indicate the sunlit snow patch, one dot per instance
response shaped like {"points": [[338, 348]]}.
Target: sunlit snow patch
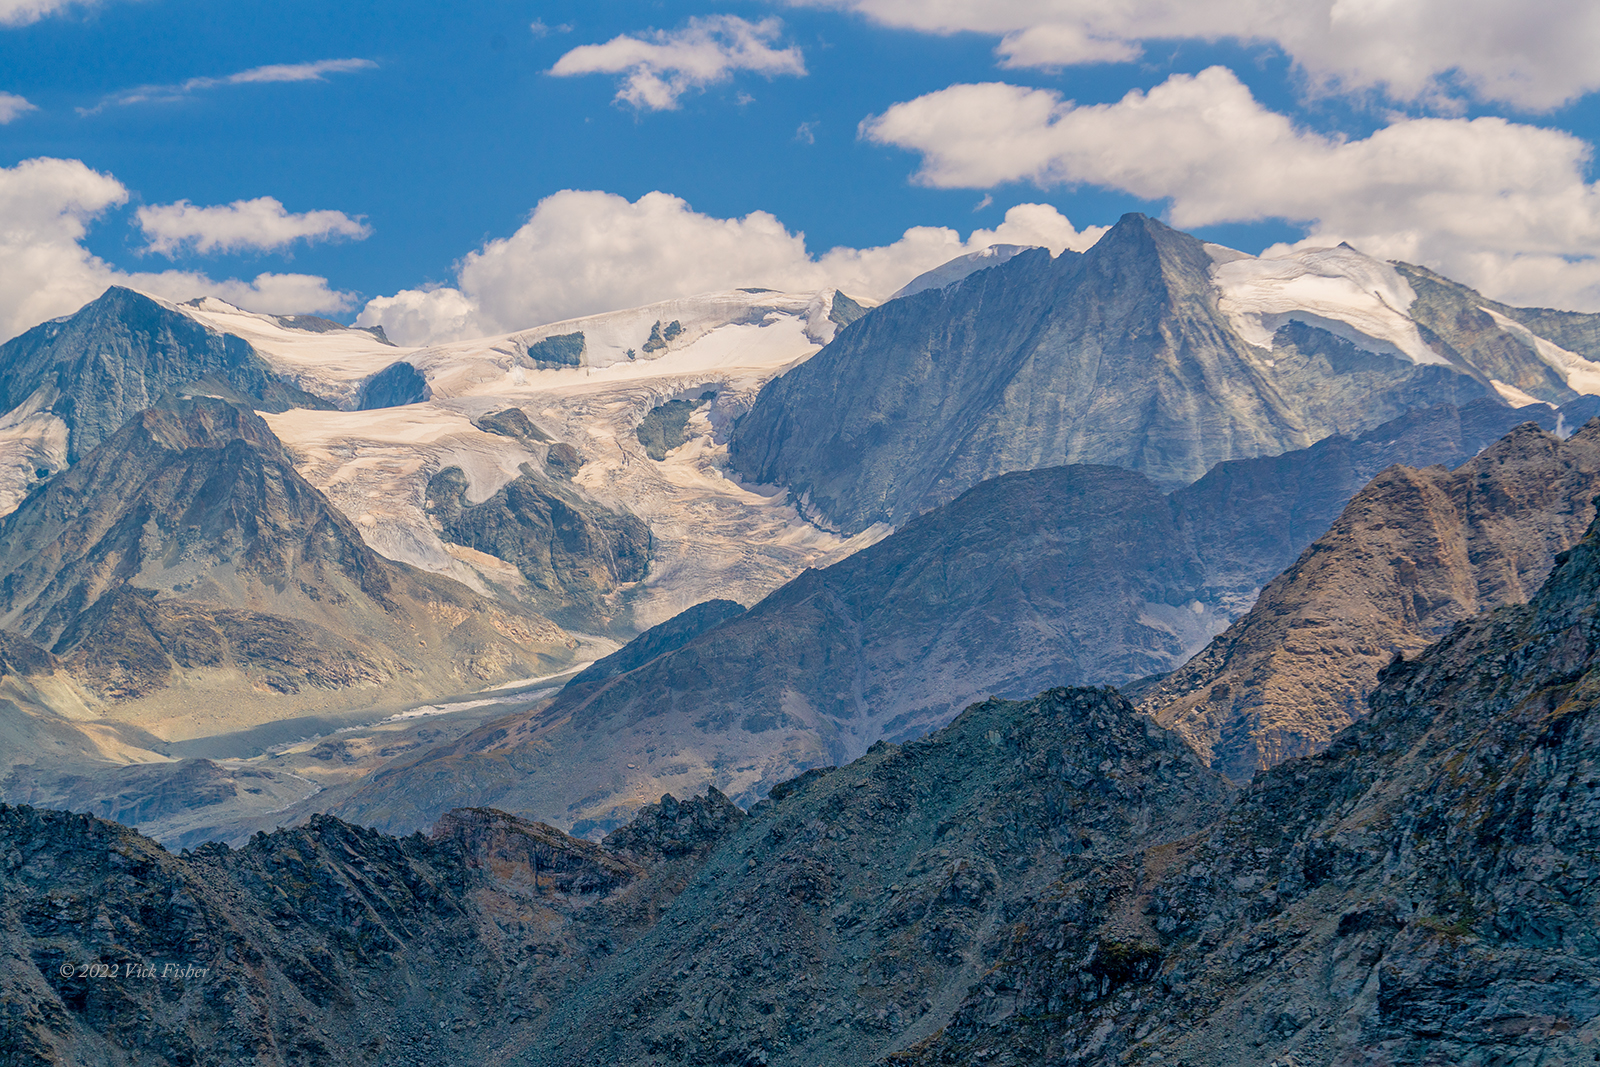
{"points": [[33, 446], [1361, 299], [330, 363]]}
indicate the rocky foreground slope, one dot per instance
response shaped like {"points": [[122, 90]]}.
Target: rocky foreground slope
{"points": [[1052, 881]]}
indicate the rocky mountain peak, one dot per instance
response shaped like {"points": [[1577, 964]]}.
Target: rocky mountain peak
{"points": [[123, 352], [1415, 553]]}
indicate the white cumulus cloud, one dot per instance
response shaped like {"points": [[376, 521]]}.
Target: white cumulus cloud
{"points": [[46, 206], [1536, 54], [1499, 205], [13, 106], [259, 224], [663, 65], [585, 252]]}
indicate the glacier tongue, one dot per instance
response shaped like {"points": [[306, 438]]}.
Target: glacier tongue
{"points": [[1359, 298]]}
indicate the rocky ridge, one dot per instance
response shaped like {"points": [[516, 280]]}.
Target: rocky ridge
{"points": [[1415, 553], [1153, 352], [1421, 892], [1121, 356], [185, 562]]}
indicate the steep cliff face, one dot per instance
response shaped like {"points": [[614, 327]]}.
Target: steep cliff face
{"points": [[1120, 356], [186, 551], [1065, 576], [1414, 553]]}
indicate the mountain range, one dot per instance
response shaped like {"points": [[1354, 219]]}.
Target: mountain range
{"points": [[1153, 351], [1061, 576], [1053, 880], [308, 553]]}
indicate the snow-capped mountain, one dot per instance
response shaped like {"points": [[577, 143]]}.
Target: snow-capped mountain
{"points": [[1151, 351]]}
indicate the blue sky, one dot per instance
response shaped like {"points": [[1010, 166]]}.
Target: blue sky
{"points": [[451, 130]]}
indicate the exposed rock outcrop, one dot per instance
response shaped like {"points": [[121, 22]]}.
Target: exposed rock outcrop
{"points": [[396, 385], [574, 551]]}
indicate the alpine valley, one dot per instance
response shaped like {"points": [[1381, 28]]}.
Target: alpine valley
{"points": [[1150, 655]]}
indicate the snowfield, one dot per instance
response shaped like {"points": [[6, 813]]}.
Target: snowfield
{"points": [[1351, 295], [713, 537]]}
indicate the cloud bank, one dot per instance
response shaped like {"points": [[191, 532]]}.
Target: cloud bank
{"points": [[261, 224], [584, 252], [663, 65], [46, 206], [1501, 206], [1534, 55]]}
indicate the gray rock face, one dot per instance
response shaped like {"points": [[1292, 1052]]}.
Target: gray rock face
{"points": [[119, 355], [395, 386], [575, 552], [1458, 323], [1118, 357], [665, 427], [1415, 553], [1064, 576]]}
